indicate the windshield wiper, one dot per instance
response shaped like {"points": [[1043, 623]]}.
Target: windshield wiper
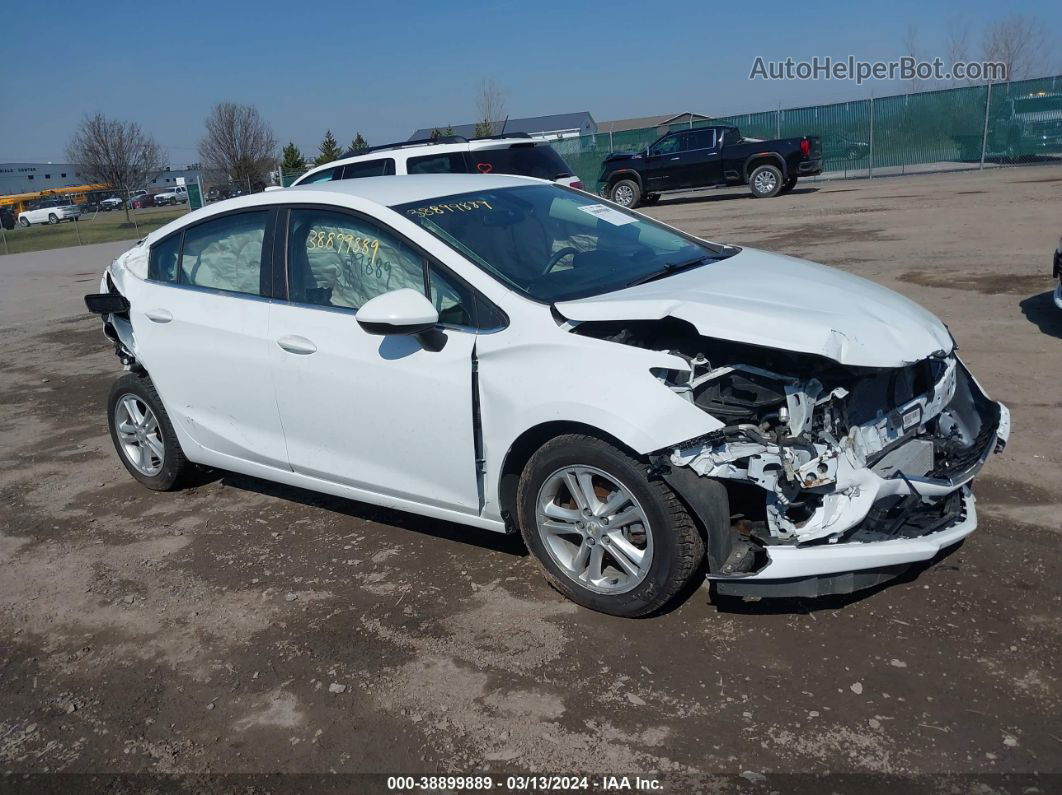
{"points": [[670, 268]]}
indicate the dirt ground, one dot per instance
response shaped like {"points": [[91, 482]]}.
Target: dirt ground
{"points": [[243, 627]]}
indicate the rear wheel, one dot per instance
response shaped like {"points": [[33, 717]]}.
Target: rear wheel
{"points": [[23, 221], [604, 535], [625, 193], [143, 434], [765, 181]]}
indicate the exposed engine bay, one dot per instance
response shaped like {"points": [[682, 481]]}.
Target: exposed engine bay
{"points": [[840, 453]]}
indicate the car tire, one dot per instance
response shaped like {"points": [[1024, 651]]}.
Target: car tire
{"points": [[789, 184], [658, 541], [625, 193], [138, 439], [765, 181], [53, 218], [23, 222]]}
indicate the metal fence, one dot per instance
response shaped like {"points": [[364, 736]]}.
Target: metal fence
{"points": [[965, 127]]}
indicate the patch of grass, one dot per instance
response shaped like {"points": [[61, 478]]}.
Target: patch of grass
{"points": [[98, 228]]}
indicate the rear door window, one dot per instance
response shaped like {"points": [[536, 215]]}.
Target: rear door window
{"points": [[442, 163], [226, 253], [525, 160], [369, 168], [700, 139]]}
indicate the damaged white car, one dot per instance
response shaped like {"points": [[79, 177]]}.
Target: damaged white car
{"points": [[643, 406]]}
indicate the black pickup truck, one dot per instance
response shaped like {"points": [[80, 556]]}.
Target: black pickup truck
{"points": [[705, 157]]}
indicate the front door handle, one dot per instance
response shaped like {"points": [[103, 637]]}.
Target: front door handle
{"points": [[158, 315], [674, 158], [296, 344]]}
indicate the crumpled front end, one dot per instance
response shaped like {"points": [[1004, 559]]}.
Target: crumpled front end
{"points": [[861, 472]]}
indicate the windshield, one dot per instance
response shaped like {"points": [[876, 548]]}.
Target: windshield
{"points": [[551, 243]]}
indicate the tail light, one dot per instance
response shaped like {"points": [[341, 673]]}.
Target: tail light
{"points": [[805, 147], [577, 184]]}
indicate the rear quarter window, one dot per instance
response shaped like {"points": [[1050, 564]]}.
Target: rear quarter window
{"points": [[524, 160], [162, 261]]}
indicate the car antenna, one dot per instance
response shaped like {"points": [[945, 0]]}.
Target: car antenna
{"points": [[504, 123]]}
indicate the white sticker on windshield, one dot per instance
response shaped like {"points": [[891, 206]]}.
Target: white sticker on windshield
{"points": [[614, 217]]}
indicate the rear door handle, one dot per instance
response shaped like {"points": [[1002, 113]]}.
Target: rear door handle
{"points": [[296, 344], [158, 315], [674, 158]]}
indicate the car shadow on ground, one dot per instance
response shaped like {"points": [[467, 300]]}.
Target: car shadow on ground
{"points": [[720, 197], [1040, 310], [510, 544]]}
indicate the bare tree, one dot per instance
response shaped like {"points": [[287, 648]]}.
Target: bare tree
{"points": [[913, 47], [117, 153], [1019, 42], [490, 103], [957, 40], [238, 143]]}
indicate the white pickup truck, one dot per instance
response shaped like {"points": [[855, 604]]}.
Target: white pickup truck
{"points": [[50, 211], [172, 196]]}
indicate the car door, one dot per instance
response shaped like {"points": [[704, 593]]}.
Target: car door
{"points": [[201, 325], [377, 413], [699, 164], [661, 170]]}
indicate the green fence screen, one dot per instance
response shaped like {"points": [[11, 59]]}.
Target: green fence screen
{"points": [[1007, 123]]}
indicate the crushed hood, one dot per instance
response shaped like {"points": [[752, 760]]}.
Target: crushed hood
{"points": [[780, 302]]}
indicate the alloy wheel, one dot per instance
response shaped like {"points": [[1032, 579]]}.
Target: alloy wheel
{"points": [[765, 182], [139, 435], [594, 529], [623, 195]]}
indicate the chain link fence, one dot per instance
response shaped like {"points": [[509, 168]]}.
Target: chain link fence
{"points": [[967, 127]]}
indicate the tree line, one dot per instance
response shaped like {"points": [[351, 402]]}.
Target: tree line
{"points": [[238, 146]]}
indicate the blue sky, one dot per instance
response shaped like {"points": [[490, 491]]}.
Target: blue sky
{"points": [[388, 68]]}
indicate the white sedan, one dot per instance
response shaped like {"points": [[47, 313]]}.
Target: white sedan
{"points": [[518, 356]]}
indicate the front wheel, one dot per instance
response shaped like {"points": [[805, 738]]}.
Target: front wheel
{"points": [[765, 181], [626, 193], [605, 535], [53, 218], [143, 434]]}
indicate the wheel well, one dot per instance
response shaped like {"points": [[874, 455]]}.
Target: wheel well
{"points": [[764, 160], [525, 446], [633, 175]]}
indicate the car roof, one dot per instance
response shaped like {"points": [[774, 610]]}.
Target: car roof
{"points": [[382, 191], [400, 150], [391, 190]]}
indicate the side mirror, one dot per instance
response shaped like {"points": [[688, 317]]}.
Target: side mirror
{"points": [[402, 311]]}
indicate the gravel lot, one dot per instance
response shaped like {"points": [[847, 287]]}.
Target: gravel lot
{"points": [[240, 626]]}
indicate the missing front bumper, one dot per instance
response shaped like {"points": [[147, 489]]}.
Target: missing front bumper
{"points": [[846, 567]]}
